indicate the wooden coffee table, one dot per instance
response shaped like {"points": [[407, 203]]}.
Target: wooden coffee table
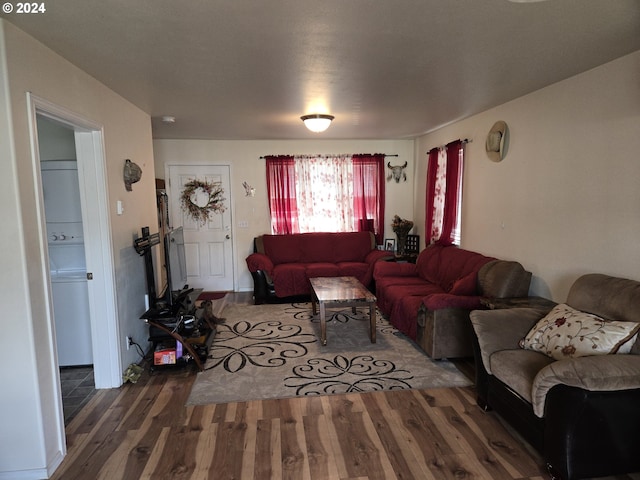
{"points": [[340, 292]]}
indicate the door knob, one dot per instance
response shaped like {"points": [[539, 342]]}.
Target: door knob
{"points": [[227, 236]]}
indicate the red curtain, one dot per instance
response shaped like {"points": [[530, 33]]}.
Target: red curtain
{"points": [[453, 194], [281, 189], [444, 188], [369, 193], [432, 231]]}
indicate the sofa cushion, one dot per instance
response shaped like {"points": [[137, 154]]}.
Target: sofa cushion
{"points": [[291, 279], [335, 247], [282, 248], [518, 369], [355, 269], [383, 270], [389, 289], [501, 329], [394, 293], [436, 301], [322, 269], [386, 282], [565, 333], [445, 264]]}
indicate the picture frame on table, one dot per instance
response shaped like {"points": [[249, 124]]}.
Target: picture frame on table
{"points": [[390, 244]]}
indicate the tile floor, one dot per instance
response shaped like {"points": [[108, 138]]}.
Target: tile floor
{"points": [[77, 388]]}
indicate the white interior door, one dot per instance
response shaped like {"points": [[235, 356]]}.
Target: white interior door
{"points": [[208, 246]]}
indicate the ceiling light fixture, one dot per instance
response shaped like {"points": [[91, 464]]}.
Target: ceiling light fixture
{"points": [[168, 119], [317, 122]]}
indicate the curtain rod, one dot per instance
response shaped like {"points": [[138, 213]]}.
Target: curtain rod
{"points": [[331, 155], [464, 140]]}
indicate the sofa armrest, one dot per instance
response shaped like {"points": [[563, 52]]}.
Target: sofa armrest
{"points": [[594, 373], [259, 261], [439, 301], [375, 255], [502, 329], [503, 279], [393, 269]]}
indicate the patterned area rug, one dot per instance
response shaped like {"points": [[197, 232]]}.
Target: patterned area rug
{"points": [[274, 351]]}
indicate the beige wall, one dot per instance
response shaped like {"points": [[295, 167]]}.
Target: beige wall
{"points": [[565, 200], [246, 165], [30, 434]]}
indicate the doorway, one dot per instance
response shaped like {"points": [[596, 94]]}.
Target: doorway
{"points": [[96, 231], [65, 242], [67, 263]]}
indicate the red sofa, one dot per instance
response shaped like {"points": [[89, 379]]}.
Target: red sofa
{"points": [[430, 300], [282, 264]]}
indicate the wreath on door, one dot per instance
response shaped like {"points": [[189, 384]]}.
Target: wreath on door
{"points": [[200, 199]]}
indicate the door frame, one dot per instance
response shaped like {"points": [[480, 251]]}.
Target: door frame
{"points": [[94, 199], [167, 176]]}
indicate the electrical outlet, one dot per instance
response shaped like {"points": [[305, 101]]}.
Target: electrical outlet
{"points": [[128, 341]]}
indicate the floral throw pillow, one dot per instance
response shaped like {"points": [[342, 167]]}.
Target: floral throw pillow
{"points": [[567, 333]]}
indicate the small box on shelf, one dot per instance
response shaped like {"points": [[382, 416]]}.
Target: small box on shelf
{"points": [[166, 354]]}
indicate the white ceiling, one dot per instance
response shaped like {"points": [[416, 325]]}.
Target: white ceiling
{"points": [[248, 69]]}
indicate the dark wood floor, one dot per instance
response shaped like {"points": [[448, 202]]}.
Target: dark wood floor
{"points": [[145, 431]]}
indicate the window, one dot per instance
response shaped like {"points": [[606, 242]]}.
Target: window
{"points": [[444, 194], [326, 193]]}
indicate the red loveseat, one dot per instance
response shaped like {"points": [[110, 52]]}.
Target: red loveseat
{"points": [[430, 300], [282, 264]]}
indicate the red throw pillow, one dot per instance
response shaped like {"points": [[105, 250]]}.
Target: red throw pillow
{"points": [[465, 285]]}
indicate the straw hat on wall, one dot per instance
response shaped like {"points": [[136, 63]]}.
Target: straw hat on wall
{"points": [[495, 141]]}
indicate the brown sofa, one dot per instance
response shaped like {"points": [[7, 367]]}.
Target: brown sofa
{"points": [[581, 412], [445, 331], [430, 301], [281, 265]]}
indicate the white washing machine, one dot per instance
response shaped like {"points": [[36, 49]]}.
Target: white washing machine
{"points": [[73, 326]]}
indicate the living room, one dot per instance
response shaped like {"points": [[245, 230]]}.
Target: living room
{"points": [[563, 202]]}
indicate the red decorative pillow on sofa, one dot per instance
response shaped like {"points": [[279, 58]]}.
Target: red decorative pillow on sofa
{"points": [[466, 285]]}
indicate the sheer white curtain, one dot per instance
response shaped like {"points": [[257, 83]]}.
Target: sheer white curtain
{"points": [[438, 199], [322, 182], [444, 193]]}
